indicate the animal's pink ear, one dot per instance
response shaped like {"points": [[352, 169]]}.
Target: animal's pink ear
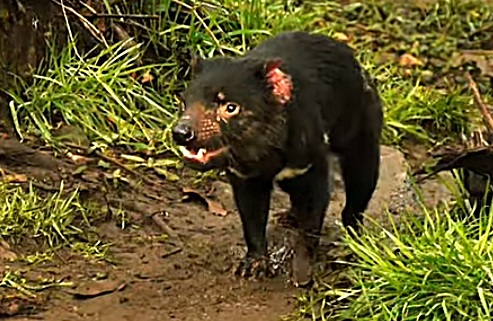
{"points": [[272, 64], [280, 82]]}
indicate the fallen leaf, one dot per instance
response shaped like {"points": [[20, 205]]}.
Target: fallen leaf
{"points": [[341, 37], [147, 77], [408, 72], [12, 305], [5, 252], [80, 170], [15, 178], [79, 159], [123, 35], [168, 175], [101, 25], [408, 60], [166, 162], [212, 206], [482, 58], [222, 191], [103, 164], [133, 158], [13, 309], [385, 57], [94, 289]]}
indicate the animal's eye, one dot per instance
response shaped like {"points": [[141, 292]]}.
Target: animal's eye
{"points": [[231, 108]]}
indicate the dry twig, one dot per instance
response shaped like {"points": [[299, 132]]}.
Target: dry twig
{"points": [[114, 162], [483, 108], [89, 26], [156, 218], [475, 156], [118, 16], [124, 167]]}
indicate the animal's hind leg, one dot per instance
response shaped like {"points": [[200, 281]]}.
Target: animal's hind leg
{"points": [[360, 165], [309, 196], [360, 158]]}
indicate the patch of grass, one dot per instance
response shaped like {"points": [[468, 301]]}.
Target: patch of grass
{"points": [[16, 281], [42, 224], [49, 222], [431, 266], [99, 95], [424, 114]]}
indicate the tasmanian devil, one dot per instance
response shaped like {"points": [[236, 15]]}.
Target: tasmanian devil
{"points": [[273, 115]]}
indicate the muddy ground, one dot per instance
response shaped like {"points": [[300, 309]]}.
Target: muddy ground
{"points": [[188, 276]]}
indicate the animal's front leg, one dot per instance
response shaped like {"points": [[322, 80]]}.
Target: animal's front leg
{"points": [[309, 194], [252, 197]]}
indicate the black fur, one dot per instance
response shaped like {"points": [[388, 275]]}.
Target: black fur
{"points": [[331, 96]]}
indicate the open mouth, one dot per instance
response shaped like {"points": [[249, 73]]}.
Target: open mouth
{"points": [[201, 155]]}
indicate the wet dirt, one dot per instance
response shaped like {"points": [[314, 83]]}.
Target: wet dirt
{"points": [[188, 275]]}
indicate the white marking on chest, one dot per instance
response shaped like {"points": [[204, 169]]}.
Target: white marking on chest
{"points": [[285, 173], [237, 173], [290, 173]]}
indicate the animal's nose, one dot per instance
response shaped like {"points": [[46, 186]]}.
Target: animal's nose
{"points": [[183, 133]]}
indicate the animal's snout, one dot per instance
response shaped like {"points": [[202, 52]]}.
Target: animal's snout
{"points": [[183, 133]]}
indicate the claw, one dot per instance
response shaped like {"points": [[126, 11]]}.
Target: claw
{"points": [[256, 268]]}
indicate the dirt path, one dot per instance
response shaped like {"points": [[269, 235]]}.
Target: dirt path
{"points": [[193, 284], [189, 275]]}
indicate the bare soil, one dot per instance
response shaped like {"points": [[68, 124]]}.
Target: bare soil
{"points": [[188, 276]]}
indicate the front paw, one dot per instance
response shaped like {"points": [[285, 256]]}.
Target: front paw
{"points": [[252, 267]]}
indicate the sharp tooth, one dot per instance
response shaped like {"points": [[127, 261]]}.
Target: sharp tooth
{"points": [[183, 150], [201, 152], [186, 152]]}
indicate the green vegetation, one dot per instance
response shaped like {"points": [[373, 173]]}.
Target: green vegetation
{"points": [[103, 97], [437, 268], [49, 221], [97, 94], [432, 266], [44, 224]]}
